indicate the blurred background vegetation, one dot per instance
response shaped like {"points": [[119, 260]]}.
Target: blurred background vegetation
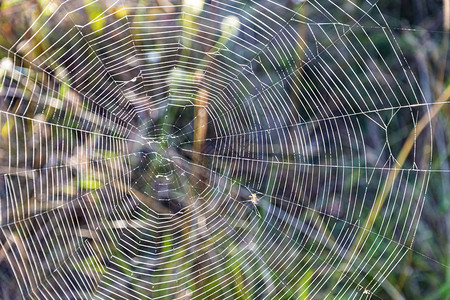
{"points": [[421, 28]]}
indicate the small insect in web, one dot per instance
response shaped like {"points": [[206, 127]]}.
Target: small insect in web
{"points": [[254, 199], [367, 292]]}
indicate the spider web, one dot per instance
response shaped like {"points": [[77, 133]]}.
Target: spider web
{"points": [[167, 149]]}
